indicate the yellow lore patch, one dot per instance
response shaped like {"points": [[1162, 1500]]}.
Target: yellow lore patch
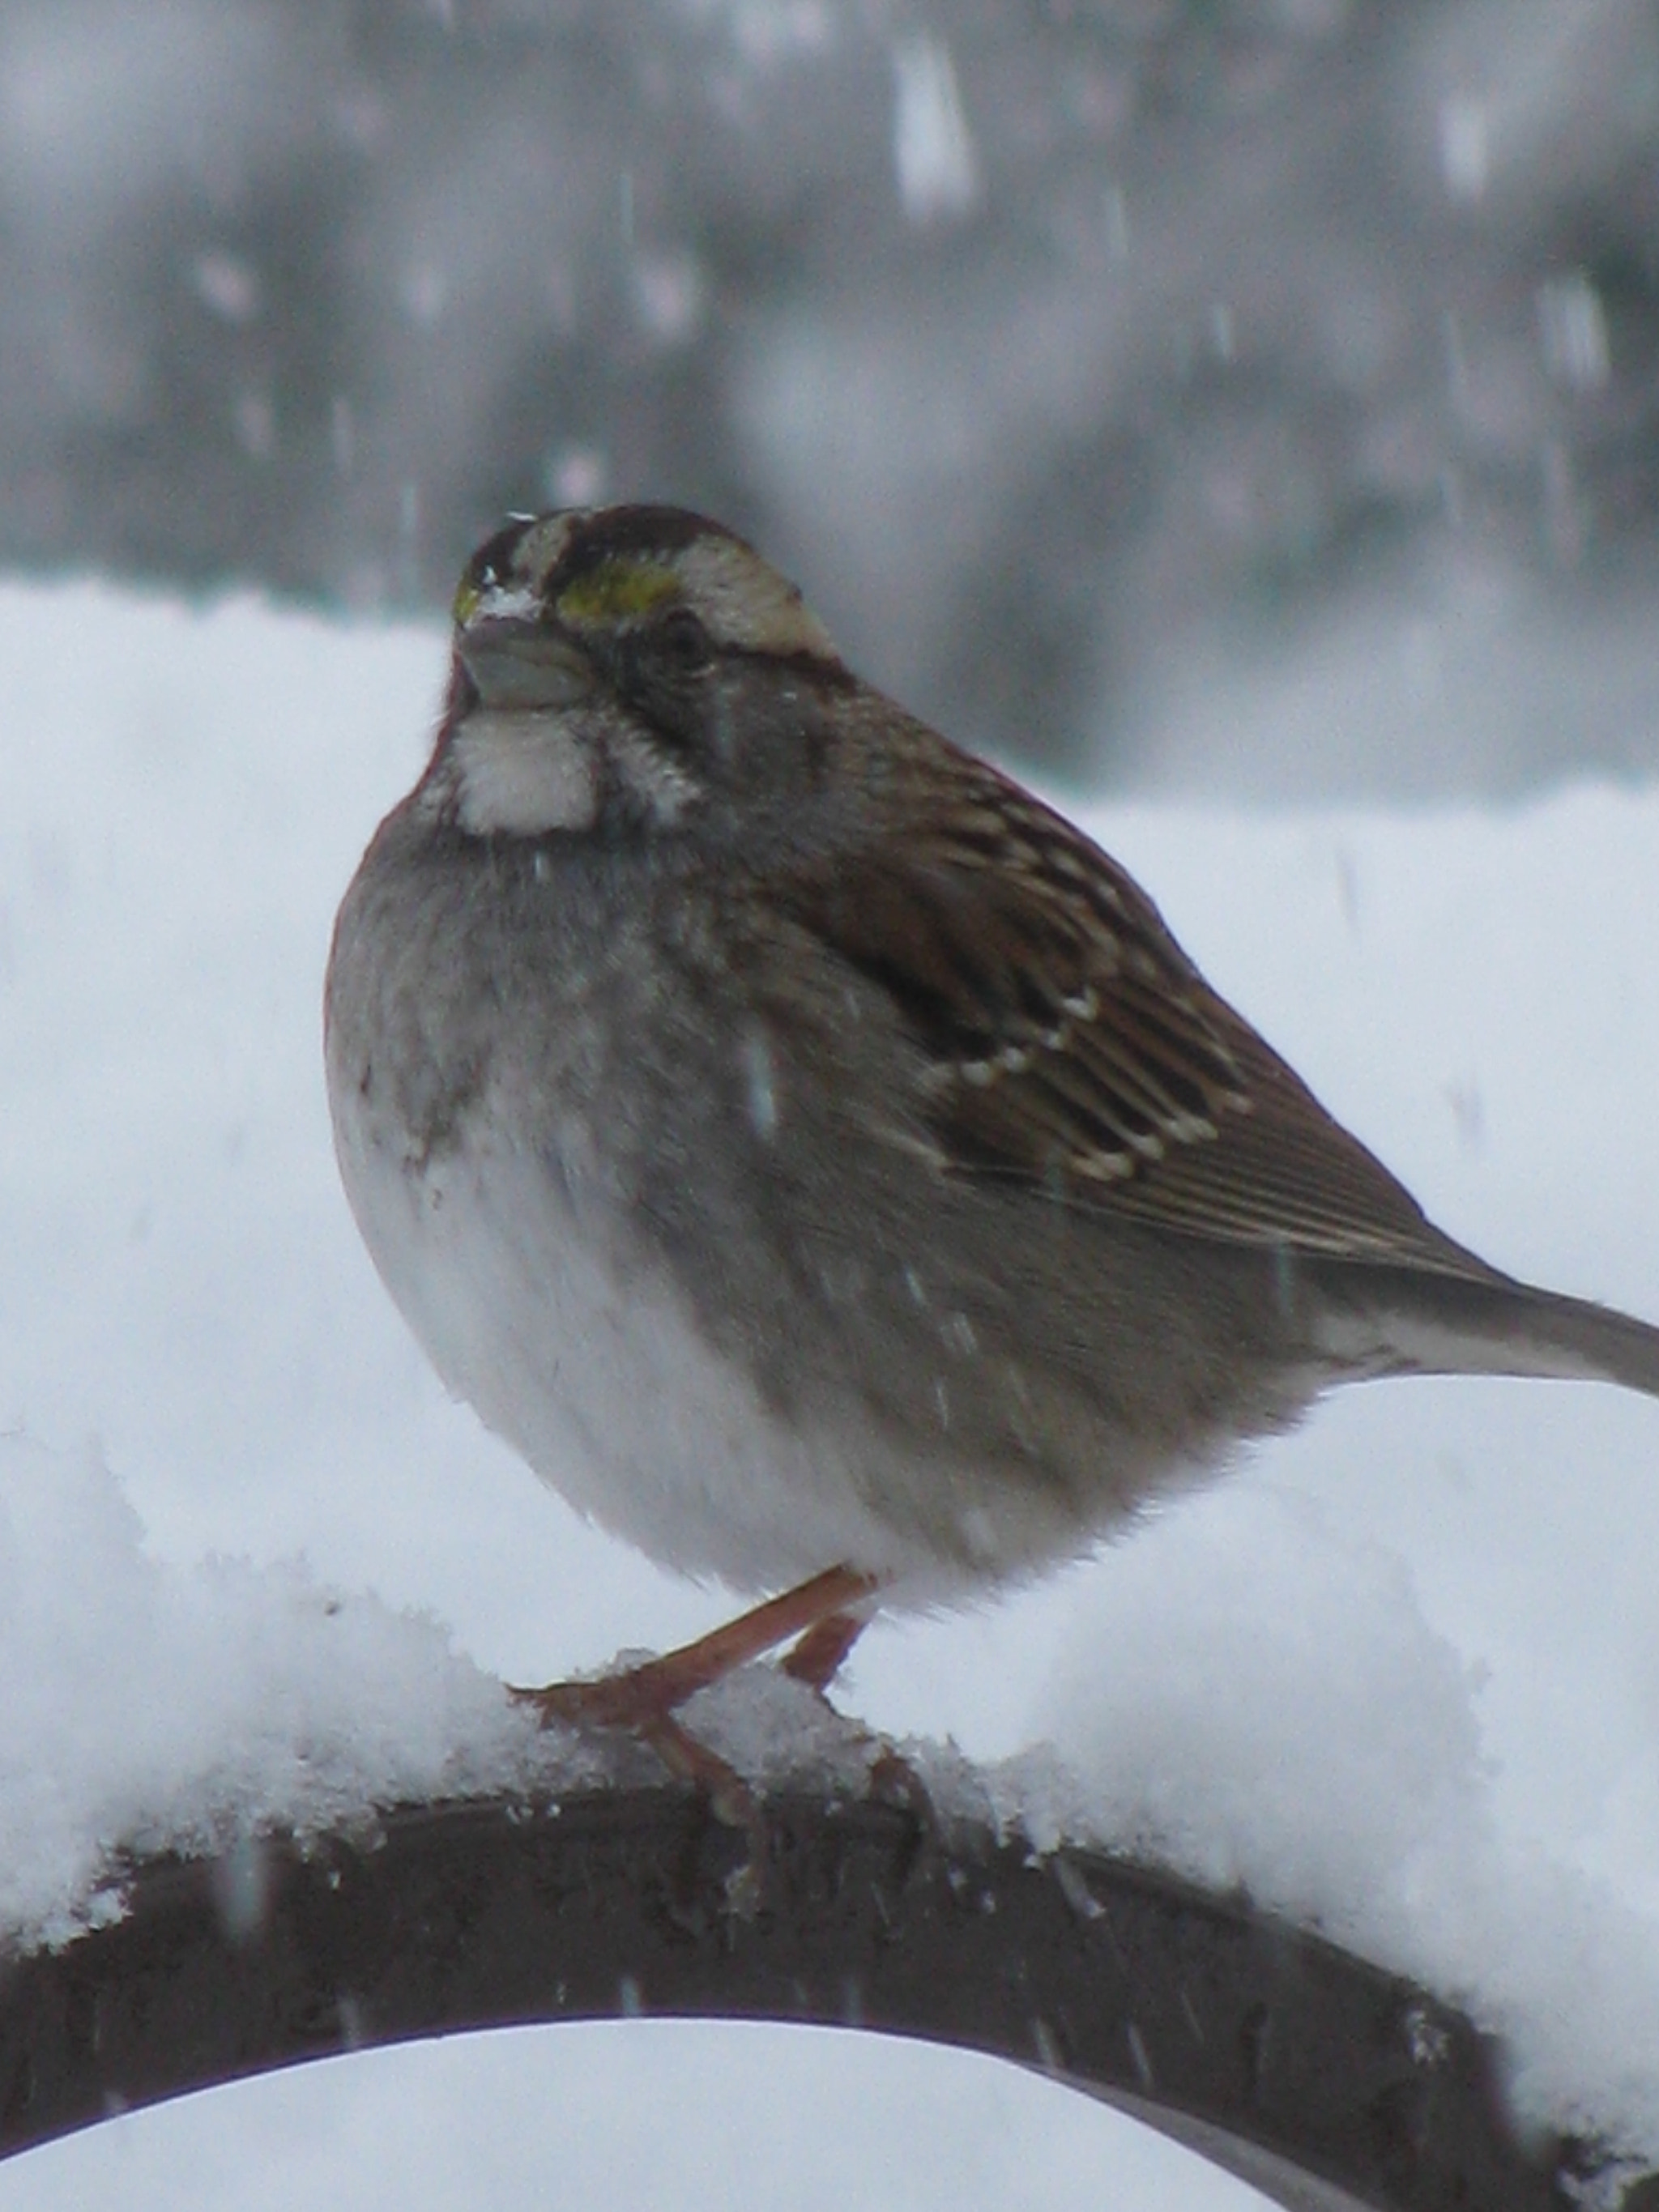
{"points": [[616, 589]]}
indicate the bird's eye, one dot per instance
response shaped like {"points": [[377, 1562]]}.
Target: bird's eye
{"points": [[683, 642]]}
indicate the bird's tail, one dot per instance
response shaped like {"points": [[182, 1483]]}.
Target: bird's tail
{"points": [[1411, 1322]]}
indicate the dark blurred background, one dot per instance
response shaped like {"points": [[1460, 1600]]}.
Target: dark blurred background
{"points": [[1247, 394]]}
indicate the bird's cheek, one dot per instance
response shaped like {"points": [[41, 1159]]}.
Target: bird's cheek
{"points": [[659, 782]]}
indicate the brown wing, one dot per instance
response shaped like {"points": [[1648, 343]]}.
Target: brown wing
{"points": [[1068, 1039]]}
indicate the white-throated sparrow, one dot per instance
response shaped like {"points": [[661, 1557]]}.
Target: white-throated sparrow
{"points": [[810, 1151]]}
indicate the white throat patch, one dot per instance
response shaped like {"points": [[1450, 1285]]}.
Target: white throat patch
{"points": [[520, 774]]}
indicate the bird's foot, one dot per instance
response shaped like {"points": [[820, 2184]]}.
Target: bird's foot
{"points": [[644, 1700]]}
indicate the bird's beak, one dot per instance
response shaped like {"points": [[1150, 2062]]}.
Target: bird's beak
{"points": [[521, 664]]}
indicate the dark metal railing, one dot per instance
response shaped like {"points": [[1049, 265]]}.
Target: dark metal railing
{"points": [[1327, 2083]]}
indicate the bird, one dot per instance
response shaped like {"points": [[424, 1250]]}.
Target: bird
{"points": [[812, 1153]]}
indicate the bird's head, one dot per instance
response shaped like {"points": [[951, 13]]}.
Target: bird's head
{"points": [[625, 671]]}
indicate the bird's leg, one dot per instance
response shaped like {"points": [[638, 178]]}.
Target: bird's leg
{"points": [[816, 1660], [817, 1612], [819, 1655]]}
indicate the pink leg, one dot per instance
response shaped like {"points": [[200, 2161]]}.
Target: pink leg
{"points": [[819, 1655], [815, 1612]]}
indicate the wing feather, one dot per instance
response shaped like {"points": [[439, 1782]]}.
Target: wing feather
{"points": [[1067, 1039]]}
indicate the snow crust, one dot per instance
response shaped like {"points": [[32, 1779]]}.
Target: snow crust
{"points": [[1400, 1674], [155, 1706]]}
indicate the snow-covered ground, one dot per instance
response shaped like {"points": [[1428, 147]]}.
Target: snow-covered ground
{"points": [[1400, 1672]]}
